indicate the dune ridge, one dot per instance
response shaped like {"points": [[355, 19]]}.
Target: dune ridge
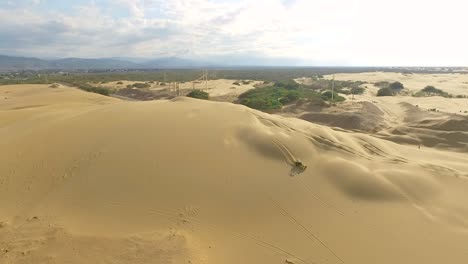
{"points": [[87, 178]]}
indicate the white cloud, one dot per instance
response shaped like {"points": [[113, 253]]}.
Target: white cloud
{"points": [[359, 32]]}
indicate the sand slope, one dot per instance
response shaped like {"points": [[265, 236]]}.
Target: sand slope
{"points": [[91, 179], [453, 83]]}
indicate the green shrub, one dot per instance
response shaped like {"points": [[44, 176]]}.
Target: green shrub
{"points": [[432, 91], [261, 103], [396, 86], [387, 91], [198, 94], [141, 85], [357, 90], [343, 91], [89, 88], [274, 97], [382, 84], [290, 98], [328, 95], [290, 85]]}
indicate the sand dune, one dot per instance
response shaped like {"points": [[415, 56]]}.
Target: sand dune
{"points": [[219, 90], [92, 179], [435, 122], [453, 83]]}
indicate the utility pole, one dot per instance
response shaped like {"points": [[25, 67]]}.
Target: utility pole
{"points": [[206, 79], [333, 89]]}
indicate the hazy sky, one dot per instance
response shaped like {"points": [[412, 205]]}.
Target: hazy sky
{"points": [[313, 32]]}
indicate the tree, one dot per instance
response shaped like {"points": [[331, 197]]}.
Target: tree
{"points": [[141, 85], [198, 94], [290, 85], [328, 95], [385, 92], [396, 86], [382, 84], [289, 98], [431, 89], [357, 90]]}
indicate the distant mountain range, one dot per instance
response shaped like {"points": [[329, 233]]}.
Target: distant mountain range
{"points": [[11, 63]]}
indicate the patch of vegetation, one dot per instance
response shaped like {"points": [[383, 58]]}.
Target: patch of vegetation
{"points": [[259, 74], [120, 83], [274, 97], [141, 85], [357, 90], [290, 97], [89, 88], [386, 91], [343, 87], [332, 96], [389, 89], [396, 86], [432, 91], [263, 103], [265, 98], [289, 85], [137, 94], [382, 84], [198, 94], [236, 83]]}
